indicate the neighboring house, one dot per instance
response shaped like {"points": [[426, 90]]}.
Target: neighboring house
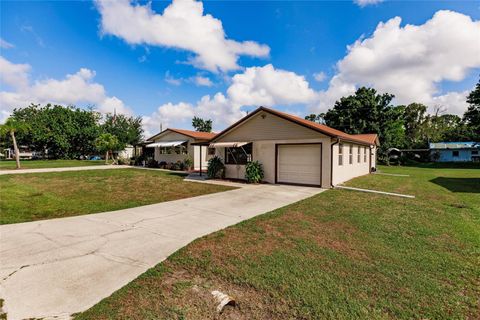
{"points": [[293, 150], [24, 152], [455, 151], [126, 153], [173, 145]]}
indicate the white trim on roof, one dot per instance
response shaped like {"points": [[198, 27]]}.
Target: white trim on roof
{"points": [[165, 144], [228, 144]]}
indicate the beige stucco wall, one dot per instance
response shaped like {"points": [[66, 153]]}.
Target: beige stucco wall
{"points": [[266, 126], [196, 157], [267, 131], [264, 152], [193, 151], [349, 171]]}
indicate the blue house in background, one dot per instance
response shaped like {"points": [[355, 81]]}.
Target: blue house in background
{"points": [[455, 151]]}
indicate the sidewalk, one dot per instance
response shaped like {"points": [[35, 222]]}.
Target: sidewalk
{"points": [[63, 169]]}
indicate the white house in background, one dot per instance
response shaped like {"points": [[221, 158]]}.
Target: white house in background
{"points": [[293, 150], [173, 145], [126, 153], [24, 152]]}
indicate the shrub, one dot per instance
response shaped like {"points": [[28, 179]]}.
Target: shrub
{"points": [[177, 165], [139, 160], [162, 164], [254, 172], [188, 164], [215, 167], [122, 161], [152, 163]]}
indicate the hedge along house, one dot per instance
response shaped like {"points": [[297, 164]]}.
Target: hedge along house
{"points": [[293, 150], [173, 145]]}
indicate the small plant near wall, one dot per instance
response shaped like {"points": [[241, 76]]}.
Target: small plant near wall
{"points": [[215, 167], [254, 172], [188, 163]]}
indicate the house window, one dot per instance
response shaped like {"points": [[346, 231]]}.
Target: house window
{"points": [[364, 154], [180, 149], [340, 154], [358, 154], [350, 154], [455, 153], [238, 155], [211, 151], [474, 152]]}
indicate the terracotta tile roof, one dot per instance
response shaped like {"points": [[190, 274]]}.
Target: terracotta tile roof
{"points": [[362, 138], [195, 134], [190, 133], [368, 137]]}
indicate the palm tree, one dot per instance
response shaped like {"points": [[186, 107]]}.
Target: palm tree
{"points": [[11, 126], [106, 142]]}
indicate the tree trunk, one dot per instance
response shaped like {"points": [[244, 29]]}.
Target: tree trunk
{"points": [[106, 158], [15, 147]]}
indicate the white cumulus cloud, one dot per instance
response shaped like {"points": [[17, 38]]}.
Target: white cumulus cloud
{"points": [[269, 86], [320, 76], [75, 89], [203, 81], [14, 75], [364, 3], [410, 61], [255, 86], [182, 25]]}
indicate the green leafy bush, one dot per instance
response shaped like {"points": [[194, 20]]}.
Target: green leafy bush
{"points": [[123, 161], [254, 172], [188, 164], [215, 168], [152, 163]]}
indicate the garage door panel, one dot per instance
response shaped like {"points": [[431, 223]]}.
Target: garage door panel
{"points": [[299, 164]]}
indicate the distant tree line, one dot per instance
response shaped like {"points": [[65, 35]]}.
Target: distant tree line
{"points": [[402, 126], [70, 132]]}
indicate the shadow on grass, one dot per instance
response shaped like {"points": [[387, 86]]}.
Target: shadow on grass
{"points": [[181, 174], [445, 165], [467, 185]]}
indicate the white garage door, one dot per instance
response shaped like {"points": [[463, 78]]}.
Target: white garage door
{"points": [[299, 163]]}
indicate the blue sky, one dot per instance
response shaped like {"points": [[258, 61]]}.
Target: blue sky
{"points": [[151, 78]]}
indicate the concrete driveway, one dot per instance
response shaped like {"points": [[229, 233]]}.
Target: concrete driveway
{"points": [[54, 268]]}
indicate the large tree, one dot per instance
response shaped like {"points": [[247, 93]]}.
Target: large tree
{"points": [[107, 143], [128, 130], [10, 127], [65, 132], [472, 115], [202, 125], [415, 118], [369, 112], [319, 118]]}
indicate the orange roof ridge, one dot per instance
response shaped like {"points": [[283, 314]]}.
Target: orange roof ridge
{"points": [[190, 133], [363, 138]]}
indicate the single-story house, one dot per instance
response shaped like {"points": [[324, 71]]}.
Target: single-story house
{"points": [[173, 145], [455, 151], [293, 150], [126, 153], [24, 152]]}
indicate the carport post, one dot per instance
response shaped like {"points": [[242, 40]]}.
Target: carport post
{"points": [[200, 160]]}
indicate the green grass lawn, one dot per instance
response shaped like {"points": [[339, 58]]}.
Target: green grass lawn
{"points": [[37, 164], [36, 196], [338, 255]]}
